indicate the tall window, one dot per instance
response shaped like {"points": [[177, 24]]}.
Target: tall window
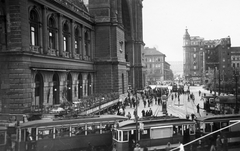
{"points": [[69, 87], [77, 41], [65, 37], [80, 86], [55, 88], [34, 27], [38, 91], [87, 43], [52, 31], [89, 84]]}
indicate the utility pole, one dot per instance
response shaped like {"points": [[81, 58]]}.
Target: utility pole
{"points": [[236, 91], [214, 87], [219, 80]]}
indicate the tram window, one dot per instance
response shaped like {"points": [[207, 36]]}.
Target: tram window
{"points": [[22, 135], [30, 134], [177, 130], [216, 126], [2, 138], [63, 131], [191, 129], [115, 135], [224, 124], [235, 127], [106, 127], [207, 127], [125, 135], [45, 133], [93, 129], [145, 134], [78, 130]]}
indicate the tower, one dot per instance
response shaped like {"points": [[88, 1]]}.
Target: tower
{"points": [[186, 55]]}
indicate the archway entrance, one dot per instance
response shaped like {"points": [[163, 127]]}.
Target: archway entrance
{"points": [[55, 88], [69, 87], [38, 91], [89, 85], [80, 86]]}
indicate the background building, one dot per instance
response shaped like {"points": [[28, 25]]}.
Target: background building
{"points": [[157, 69], [192, 58], [61, 50]]}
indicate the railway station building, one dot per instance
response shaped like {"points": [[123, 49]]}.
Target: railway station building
{"points": [[63, 50]]}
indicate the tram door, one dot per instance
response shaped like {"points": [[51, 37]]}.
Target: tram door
{"points": [[186, 134], [132, 138]]}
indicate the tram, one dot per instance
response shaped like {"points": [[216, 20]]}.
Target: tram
{"points": [[153, 132], [220, 104], [65, 134], [209, 124]]}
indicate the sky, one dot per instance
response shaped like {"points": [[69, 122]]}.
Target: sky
{"points": [[165, 21]]}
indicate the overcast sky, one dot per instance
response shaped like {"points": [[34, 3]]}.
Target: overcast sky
{"points": [[165, 21]]}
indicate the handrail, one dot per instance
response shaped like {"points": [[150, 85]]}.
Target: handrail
{"points": [[207, 135]]}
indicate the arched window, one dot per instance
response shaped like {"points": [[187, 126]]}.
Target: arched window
{"points": [[55, 89], [65, 37], [89, 84], [34, 28], [80, 86], [87, 43], [122, 83], [69, 87], [77, 41], [38, 91], [52, 33]]}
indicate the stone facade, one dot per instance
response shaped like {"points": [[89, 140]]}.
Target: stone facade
{"points": [[201, 57], [155, 65], [60, 50]]}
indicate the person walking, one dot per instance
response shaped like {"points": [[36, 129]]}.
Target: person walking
{"points": [[219, 143], [198, 108], [137, 148], [129, 115], [143, 113]]}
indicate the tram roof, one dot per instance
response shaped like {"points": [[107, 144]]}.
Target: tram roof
{"points": [[86, 119], [224, 117], [154, 122]]}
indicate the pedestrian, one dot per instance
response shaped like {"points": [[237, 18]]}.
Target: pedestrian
{"points": [[168, 148], [193, 116], [137, 148], [187, 116], [129, 115], [219, 143], [150, 112], [143, 113], [172, 96], [144, 102], [199, 92], [198, 108]]}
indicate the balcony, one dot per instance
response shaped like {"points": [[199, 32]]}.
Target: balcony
{"points": [[66, 54], [35, 49], [76, 56], [53, 52]]}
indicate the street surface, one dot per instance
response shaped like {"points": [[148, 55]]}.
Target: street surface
{"points": [[175, 108]]}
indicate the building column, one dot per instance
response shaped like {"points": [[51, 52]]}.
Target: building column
{"points": [[60, 36], [45, 33]]}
